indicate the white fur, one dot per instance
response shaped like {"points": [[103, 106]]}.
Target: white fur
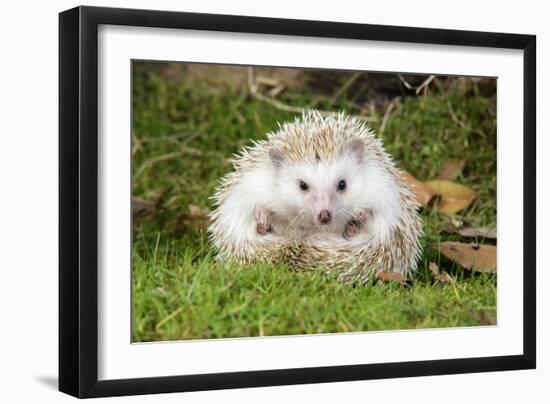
{"points": [[277, 188]]}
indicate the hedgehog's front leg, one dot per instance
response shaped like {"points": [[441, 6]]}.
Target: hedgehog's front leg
{"points": [[263, 220], [351, 229], [353, 226]]}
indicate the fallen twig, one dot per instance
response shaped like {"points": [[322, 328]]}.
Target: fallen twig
{"points": [[407, 85], [462, 124], [344, 87], [253, 89], [424, 85], [389, 109], [149, 163], [136, 144]]}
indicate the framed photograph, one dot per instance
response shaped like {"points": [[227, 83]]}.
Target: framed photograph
{"points": [[252, 201]]}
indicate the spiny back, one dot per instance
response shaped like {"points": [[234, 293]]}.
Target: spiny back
{"points": [[316, 136]]}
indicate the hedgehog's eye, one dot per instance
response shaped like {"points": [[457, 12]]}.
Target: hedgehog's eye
{"points": [[341, 185], [303, 186]]}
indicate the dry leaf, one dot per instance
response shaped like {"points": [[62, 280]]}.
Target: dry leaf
{"points": [[454, 197], [142, 208], [443, 277], [422, 192], [475, 257], [390, 276], [483, 232], [451, 169], [197, 218], [486, 318], [434, 268]]}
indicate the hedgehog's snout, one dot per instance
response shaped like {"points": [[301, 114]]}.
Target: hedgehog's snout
{"points": [[324, 216]]}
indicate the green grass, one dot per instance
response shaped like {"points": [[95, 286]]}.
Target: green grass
{"points": [[181, 292]]}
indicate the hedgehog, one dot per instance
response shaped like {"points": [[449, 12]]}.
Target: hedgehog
{"points": [[320, 193]]}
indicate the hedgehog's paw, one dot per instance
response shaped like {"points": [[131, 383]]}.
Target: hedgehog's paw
{"points": [[263, 220], [351, 229], [364, 216], [354, 225]]}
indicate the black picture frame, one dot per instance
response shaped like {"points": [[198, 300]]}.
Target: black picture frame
{"points": [[78, 201]]}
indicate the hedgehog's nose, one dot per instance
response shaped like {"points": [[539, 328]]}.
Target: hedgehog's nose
{"points": [[324, 216]]}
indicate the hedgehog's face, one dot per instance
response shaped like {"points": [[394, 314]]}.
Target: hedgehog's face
{"points": [[321, 193]]}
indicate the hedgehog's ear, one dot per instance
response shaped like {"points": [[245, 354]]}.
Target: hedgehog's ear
{"points": [[276, 155], [356, 149]]}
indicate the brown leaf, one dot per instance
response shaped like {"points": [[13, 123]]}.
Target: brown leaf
{"points": [[197, 218], [434, 268], [443, 277], [451, 169], [454, 197], [422, 192], [483, 232], [475, 257], [390, 276], [486, 318], [142, 208]]}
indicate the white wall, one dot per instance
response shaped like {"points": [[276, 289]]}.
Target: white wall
{"points": [[28, 198]]}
